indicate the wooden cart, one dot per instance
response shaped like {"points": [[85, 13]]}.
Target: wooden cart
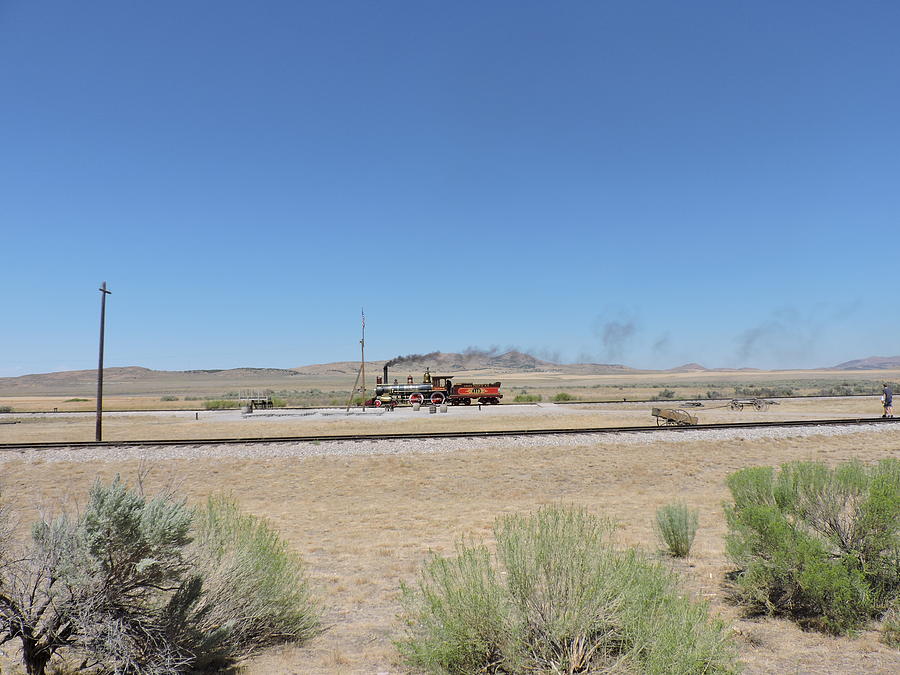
{"points": [[673, 417], [758, 403]]}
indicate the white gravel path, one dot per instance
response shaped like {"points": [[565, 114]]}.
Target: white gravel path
{"points": [[426, 446]]}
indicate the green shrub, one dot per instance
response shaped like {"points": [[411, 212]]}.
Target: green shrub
{"points": [[528, 398], [676, 526], [890, 626], [563, 396], [221, 404], [740, 390], [97, 584], [168, 398], [253, 585], [135, 584], [75, 400], [556, 597], [820, 545], [665, 394], [6, 409]]}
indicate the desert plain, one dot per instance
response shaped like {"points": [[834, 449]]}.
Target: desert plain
{"points": [[366, 516]]}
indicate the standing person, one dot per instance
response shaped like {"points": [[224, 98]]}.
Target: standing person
{"points": [[887, 398]]}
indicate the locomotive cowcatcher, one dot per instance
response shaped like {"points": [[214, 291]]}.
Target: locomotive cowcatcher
{"points": [[434, 389]]}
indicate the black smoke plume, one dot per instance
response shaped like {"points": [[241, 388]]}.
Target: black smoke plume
{"points": [[397, 360]]}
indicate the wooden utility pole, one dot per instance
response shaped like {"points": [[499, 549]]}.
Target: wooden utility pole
{"points": [[362, 357], [361, 373], [103, 294]]}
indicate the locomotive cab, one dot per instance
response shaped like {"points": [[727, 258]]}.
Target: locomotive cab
{"points": [[441, 381]]}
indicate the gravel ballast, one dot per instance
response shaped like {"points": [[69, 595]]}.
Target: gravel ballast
{"points": [[345, 448]]}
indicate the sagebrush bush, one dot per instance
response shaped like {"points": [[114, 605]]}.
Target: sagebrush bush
{"points": [[563, 396], [253, 585], [818, 544], [890, 626], [556, 597], [98, 584], [527, 398], [138, 584], [676, 526], [5, 409], [221, 404]]}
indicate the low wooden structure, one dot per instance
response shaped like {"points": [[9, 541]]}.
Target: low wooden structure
{"points": [[256, 401], [673, 417]]}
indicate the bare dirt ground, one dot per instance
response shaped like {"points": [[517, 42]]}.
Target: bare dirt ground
{"points": [[232, 424], [365, 523]]}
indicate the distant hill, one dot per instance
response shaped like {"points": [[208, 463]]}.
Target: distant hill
{"points": [[441, 362], [870, 363], [688, 368], [137, 380]]}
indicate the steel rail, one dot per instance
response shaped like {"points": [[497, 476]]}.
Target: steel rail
{"points": [[9, 447]]}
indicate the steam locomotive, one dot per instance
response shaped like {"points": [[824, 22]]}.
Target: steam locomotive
{"points": [[433, 389]]}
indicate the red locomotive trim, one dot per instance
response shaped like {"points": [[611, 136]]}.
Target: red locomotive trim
{"points": [[477, 391]]}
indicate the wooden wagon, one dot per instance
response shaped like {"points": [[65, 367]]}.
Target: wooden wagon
{"points": [[673, 417], [758, 403]]}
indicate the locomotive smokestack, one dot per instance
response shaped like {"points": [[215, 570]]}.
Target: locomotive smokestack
{"points": [[385, 373]]}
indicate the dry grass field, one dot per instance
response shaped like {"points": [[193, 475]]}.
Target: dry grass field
{"points": [[365, 523], [231, 424]]}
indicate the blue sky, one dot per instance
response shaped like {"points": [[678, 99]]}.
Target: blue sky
{"points": [[646, 183]]}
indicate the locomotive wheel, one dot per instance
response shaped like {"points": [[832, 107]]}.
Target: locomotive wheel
{"points": [[437, 398], [467, 401], [416, 399], [377, 403]]}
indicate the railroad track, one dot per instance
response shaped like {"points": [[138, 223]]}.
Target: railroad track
{"points": [[10, 447], [531, 403]]}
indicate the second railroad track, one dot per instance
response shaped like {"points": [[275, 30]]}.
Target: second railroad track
{"points": [[322, 438]]}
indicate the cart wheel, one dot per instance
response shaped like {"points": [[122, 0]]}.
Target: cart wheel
{"points": [[660, 421], [761, 405], [737, 406]]}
